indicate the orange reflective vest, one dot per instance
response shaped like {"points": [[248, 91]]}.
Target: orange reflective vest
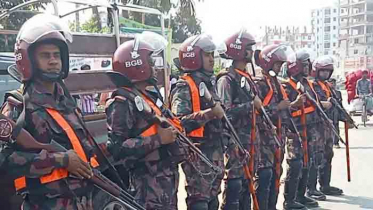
{"points": [[307, 109], [153, 129], [325, 88], [59, 173], [269, 95], [196, 105]]}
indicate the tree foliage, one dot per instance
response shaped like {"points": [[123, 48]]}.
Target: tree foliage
{"points": [[14, 21], [184, 22]]}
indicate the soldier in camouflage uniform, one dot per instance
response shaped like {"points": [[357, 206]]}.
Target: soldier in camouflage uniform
{"points": [[43, 61], [148, 150], [323, 70], [297, 176], [201, 118], [12, 108], [239, 108], [275, 102]]}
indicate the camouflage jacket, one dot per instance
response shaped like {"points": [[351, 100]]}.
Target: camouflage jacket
{"points": [[126, 122], [271, 108], [34, 164], [311, 118], [333, 113], [237, 103], [181, 106]]}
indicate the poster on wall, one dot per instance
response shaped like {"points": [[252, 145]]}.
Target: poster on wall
{"points": [[95, 63]]}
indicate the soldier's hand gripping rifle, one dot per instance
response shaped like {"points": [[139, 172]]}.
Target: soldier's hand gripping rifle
{"points": [[340, 107], [168, 120], [320, 110], [14, 135], [237, 142]]}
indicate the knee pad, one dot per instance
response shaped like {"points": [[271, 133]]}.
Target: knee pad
{"points": [[199, 205], [234, 184], [213, 204], [265, 173]]}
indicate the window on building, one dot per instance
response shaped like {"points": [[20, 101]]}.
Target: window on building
{"points": [[309, 37], [326, 52], [334, 35], [334, 44], [333, 52], [318, 30], [356, 41], [327, 11], [334, 19], [356, 52], [327, 29], [327, 20], [318, 12], [309, 45], [327, 45], [318, 21], [334, 27], [334, 10]]}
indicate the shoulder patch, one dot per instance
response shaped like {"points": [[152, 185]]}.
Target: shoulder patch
{"points": [[120, 98]]}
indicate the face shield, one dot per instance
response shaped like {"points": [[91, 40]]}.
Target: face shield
{"points": [[280, 53], [41, 25], [206, 43], [323, 62]]}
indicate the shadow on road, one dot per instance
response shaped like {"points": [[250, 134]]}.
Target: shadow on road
{"points": [[361, 147], [363, 202]]}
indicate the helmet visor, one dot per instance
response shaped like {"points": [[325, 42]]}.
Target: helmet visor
{"points": [[41, 25], [282, 53], [151, 41], [324, 61], [205, 42]]}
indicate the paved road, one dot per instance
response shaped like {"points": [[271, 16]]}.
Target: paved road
{"points": [[358, 192]]}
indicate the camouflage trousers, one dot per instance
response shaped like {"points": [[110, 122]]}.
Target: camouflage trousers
{"points": [[315, 140], [236, 193], [204, 187], [268, 176], [76, 203], [156, 190]]}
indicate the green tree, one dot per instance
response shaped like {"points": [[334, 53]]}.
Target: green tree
{"points": [[14, 21], [184, 23]]}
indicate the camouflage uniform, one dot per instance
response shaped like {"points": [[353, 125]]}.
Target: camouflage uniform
{"points": [[67, 193], [153, 167], [325, 166], [239, 108], [12, 108], [295, 175], [202, 191], [266, 175]]}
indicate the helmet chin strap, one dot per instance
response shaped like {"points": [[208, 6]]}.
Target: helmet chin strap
{"points": [[48, 76]]}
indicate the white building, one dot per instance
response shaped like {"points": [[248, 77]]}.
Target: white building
{"points": [[356, 37], [325, 26]]}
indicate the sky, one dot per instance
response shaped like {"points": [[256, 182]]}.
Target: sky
{"points": [[221, 17]]}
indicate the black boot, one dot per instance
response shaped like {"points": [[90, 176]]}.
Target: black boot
{"points": [[262, 186], [309, 202], [289, 194], [293, 205], [231, 194], [331, 190], [245, 196], [315, 194], [291, 185], [301, 198]]}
